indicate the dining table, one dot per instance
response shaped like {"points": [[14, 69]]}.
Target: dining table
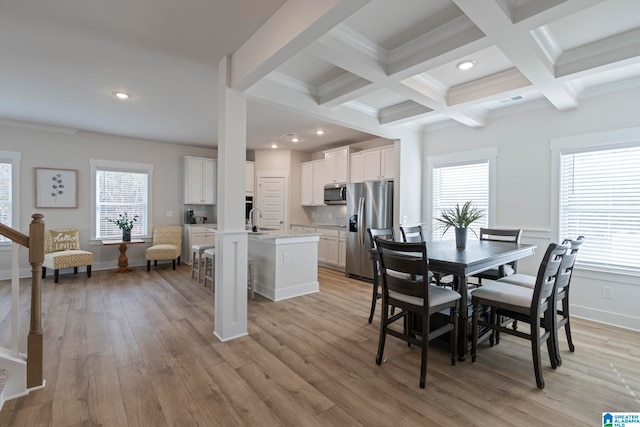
{"points": [[478, 255]]}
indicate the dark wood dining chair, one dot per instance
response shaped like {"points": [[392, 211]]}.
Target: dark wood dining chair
{"points": [[414, 234], [383, 233], [499, 235], [562, 291], [400, 263], [533, 306]]}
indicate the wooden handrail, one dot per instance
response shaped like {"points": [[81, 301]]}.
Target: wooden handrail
{"points": [[14, 235]]}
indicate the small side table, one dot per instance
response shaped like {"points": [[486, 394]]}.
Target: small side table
{"points": [[123, 261]]}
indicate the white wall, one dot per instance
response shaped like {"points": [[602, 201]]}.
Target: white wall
{"points": [[523, 178], [51, 149]]}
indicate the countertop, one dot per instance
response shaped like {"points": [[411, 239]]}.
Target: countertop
{"points": [[341, 227], [279, 234]]}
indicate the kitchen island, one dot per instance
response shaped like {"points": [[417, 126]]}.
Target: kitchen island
{"points": [[286, 264]]}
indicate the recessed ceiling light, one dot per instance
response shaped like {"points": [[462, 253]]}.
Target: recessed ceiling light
{"points": [[121, 95], [274, 146], [466, 65], [319, 132], [295, 139]]}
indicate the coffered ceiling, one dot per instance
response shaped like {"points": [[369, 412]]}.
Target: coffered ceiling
{"points": [[365, 69]]}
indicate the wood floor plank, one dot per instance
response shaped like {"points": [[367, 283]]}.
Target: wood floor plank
{"points": [[141, 404], [105, 400], [138, 349]]}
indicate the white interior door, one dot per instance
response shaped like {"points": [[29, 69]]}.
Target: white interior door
{"points": [[271, 201]]}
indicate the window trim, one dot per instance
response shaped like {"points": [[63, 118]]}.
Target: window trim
{"points": [[621, 138], [119, 166], [14, 158], [456, 159]]}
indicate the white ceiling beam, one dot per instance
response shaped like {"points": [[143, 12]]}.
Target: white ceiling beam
{"points": [[338, 52], [401, 113], [367, 64], [563, 96], [346, 92], [521, 48], [474, 120], [297, 24], [271, 93], [603, 53], [444, 44], [487, 87], [431, 89]]}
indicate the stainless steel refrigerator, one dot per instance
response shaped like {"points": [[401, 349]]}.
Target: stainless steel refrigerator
{"points": [[369, 205]]}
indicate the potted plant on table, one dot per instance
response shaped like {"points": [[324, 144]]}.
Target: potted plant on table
{"points": [[460, 218], [125, 224]]}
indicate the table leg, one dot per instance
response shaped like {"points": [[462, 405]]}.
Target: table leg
{"points": [[460, 285], [123, 261]]}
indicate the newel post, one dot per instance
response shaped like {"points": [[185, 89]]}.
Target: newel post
{"points": [[35, 339]]}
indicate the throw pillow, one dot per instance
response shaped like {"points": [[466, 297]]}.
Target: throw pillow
{"points": [[62, 240]]}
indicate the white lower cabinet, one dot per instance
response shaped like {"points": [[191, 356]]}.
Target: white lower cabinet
{"points": [[342, 250], [329, 247], [196, 235], [332, 246]]}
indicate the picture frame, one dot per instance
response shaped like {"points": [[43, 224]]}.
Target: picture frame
{"points": [[56, 188]]}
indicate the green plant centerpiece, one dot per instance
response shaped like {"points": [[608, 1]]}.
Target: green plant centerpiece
{"points": [[125, 224], [460, 218]]}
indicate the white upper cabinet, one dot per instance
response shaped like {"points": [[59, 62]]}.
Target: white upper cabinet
{"points": [[199, 181], [373, 165], [388, 163], [337, 166], [357, 168], [312, 183], [249, 177]]}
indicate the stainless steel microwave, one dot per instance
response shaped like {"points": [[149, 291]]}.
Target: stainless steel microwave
{"points": [[335, 194]]}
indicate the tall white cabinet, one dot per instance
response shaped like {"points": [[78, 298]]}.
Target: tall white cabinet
{"points": [[312, 183], [200, 175]]}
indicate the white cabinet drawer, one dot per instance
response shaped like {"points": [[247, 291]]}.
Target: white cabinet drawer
{"points": [[328, 232]]}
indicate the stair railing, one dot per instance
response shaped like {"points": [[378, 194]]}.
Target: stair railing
{"points": [[35, 243]]}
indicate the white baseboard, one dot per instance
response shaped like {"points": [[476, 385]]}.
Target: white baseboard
{"points": [[606, 317]]}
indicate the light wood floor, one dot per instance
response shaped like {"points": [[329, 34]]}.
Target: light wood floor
{"points": [[137, 349]]}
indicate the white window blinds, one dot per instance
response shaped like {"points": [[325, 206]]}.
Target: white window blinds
{"points": [[460, 184], [600, 199], [118, 192]]}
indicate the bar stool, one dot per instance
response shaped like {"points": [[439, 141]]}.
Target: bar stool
{"points": [[209, 270], [196, 254]]}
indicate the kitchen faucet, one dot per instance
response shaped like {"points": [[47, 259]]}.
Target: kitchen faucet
{"points": [[253, 227]]}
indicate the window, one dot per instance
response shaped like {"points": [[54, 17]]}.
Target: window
{"points": [[458, 178], [9, 192], [119, 187], [600, 199], [597, 180]]}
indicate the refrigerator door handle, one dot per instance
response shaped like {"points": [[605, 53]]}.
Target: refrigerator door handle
{"points": [[360, 211]]}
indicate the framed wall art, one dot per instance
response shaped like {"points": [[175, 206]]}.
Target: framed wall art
{"points": [[56, 188]]}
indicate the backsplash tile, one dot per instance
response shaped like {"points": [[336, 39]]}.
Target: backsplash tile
{"points": [[327, 215]]}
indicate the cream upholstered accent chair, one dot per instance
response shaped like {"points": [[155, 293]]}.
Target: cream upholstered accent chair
{"points": [[62, 250], [167, 244]]}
